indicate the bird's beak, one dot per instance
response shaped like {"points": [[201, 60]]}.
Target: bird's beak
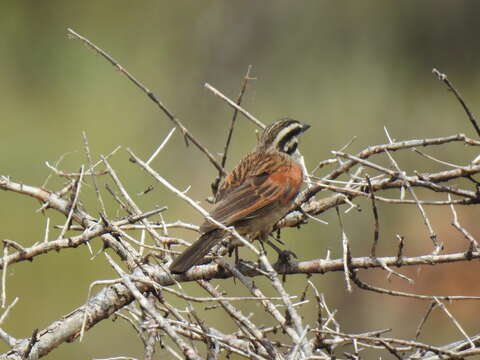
{"points": [[305, 127]]}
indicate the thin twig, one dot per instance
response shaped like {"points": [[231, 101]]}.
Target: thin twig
{"points": [[245, 80], [381, 340], [455, 322], [244, 322], [424, 319], [333, 161], [430, 157], [268, 305], [471, 117], [433, 236], [235, 106], [164, 323], [187, 135], [401, 245], [47, 229], [7, 310], [32, 342], [346, 253], [90, 168], [375, 217], [162, 145], [73, 204], [191, 202], [456, 224], [362, 285], [4, 275]]}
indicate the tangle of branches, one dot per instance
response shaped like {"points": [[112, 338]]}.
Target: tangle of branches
{"points": [[142, 292]]}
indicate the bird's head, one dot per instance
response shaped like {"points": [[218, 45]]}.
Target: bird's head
{"points": [[282, 136]]}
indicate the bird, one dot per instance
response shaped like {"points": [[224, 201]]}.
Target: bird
{"points": [[256, 194]]}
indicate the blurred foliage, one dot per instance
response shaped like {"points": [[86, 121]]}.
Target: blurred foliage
{"points": [[348, 68]]}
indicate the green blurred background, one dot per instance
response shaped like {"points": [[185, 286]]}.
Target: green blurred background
{"points": [[348, 68]]}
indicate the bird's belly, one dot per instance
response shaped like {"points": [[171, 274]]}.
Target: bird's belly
{"points": [[261, 226]]}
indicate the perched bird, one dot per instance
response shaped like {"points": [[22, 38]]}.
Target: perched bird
{"points": [[256, 194]]}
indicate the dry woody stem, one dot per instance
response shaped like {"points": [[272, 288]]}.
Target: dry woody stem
{"points": [[138, 244]]}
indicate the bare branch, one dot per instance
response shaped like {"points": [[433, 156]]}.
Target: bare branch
{"points": [[235, 106], [188, 136], [471, 117]]}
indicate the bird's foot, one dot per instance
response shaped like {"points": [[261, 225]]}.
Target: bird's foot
{"points": [[285, 257]]}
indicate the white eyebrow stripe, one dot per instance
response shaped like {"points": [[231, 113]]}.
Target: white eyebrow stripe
{"points": [[284, 132], [291, 143]]}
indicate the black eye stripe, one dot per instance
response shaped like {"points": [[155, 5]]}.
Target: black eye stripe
{"points": [[288, 137], [281, 135], [292, 149]]}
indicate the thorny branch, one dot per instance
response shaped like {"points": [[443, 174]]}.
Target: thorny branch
{"points": [[143, 292], [471, 117], [94, 228], [188, 136]]}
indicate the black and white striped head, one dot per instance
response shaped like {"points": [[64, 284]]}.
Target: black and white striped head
{"points": [[282, 136]]}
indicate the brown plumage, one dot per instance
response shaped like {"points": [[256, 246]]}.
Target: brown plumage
{"points": [[256, 194]]}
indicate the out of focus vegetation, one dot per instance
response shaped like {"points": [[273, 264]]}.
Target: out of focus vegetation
{"points": [[347, 68]]}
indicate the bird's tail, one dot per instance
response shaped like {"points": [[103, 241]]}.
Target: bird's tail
{"points": [[194, 254]]}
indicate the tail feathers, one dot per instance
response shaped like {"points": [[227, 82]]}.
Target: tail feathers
{"points": [[194, 254]]}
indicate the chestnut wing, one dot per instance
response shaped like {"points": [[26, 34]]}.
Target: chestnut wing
{"points": [[254, 188]]}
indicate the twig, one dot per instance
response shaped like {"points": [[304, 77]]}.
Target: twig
{"points": [[305, 267], [187, 135], [91, 232], [245, 80], [7, 310], [86, 307], [162, 145], [424, 319], [433, 236], [268, 305], [33, 341], [377, 187], [456, 224], [296, 348], [333, 161], [291, 312], [346, 253], [381, 340], [365, 286], [117, 358], [191, 202], [154, 225], [396, 273], [430, 157], [73, 204], [471, 117], [375, 216], [76, 175], [60, 159], [235, 106], [391, 350], [90, 166], [47, 229], [365, 163], [378, 149], [187, 350], [401, 244], [4, 274], [7, 338], [244, 323], [136, 210], [455, 322]]}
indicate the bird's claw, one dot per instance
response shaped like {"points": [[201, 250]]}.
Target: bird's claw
{"points": [[285, 256]]}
